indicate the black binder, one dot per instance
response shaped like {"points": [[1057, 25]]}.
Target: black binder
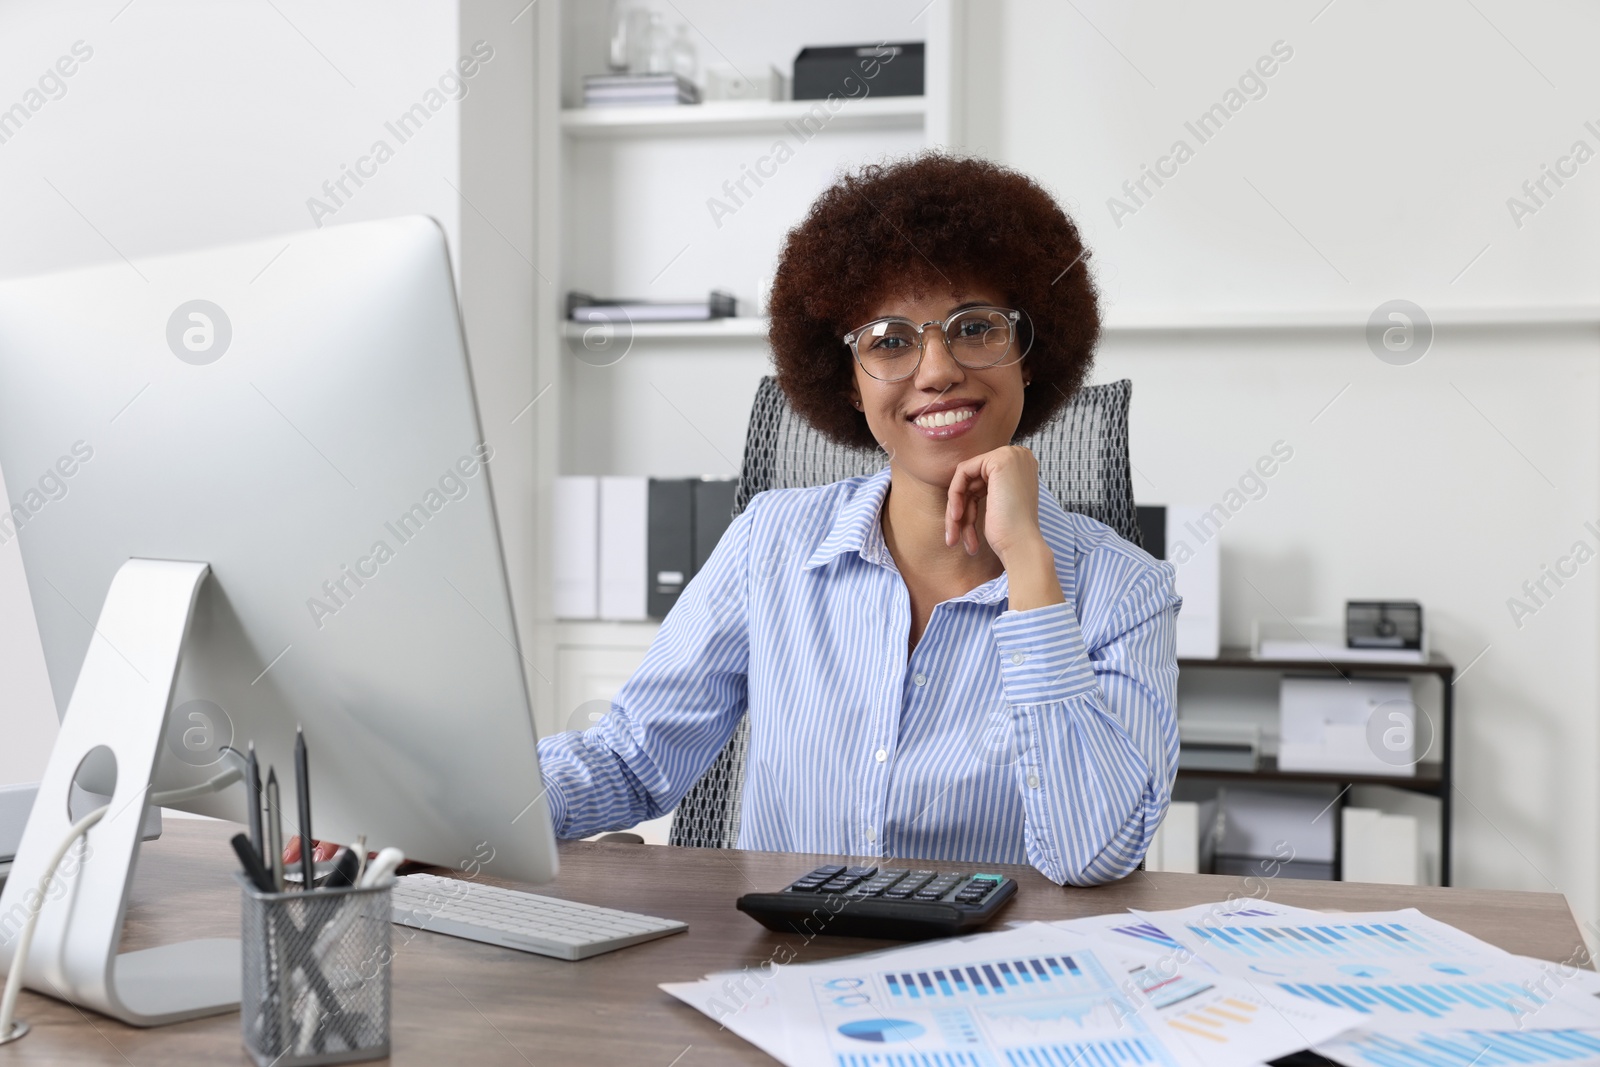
{"points": [[669, 555], [713, 511]]}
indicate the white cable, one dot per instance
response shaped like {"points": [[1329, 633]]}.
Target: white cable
{"points": [[214, 785], [19, 959]]}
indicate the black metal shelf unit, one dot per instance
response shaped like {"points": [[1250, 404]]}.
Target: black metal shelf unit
{"points": [[1426, 781]]}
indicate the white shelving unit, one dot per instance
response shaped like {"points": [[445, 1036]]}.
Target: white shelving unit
{"points": [[723, 117], [662, 203]]}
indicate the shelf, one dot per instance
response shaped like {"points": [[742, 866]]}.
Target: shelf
{"points": [[1241, 659], [745, 116], [1152, 323], [1426, 780], [1166, 320], [744, 327]]}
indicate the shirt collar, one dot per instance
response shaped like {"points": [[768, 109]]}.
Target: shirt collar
{"points": [[858, 528]]}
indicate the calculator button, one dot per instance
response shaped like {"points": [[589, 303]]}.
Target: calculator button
{"points": [[828, 871]]}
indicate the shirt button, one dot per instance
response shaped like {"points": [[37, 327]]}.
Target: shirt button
{"points": [[1017, 657], [872, 835], [921, 679], [1033, 781], [882, 755]]}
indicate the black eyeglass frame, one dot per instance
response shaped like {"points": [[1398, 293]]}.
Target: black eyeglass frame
{"points": [[1012, 317]]}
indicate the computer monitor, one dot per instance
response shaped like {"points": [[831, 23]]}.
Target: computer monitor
{"points": [[298, 414]]}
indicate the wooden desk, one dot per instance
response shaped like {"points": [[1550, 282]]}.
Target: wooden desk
{"points": [[461, 1002]]}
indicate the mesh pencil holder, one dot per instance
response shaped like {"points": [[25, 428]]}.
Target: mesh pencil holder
{"points": [[315, 987]]}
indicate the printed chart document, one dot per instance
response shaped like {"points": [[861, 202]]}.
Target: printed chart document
{"points": [[1400, 970], [1034, 995], [1430, 995], [1236, 983]]}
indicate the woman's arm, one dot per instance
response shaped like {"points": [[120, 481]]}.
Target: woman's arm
{"points": [[1096, 727], [673, 716]]}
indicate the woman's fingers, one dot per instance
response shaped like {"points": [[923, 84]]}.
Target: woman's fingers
{"points": [[321, 851], [955, 507], [968, 485]]}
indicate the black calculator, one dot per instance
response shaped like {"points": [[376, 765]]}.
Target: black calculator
{"points": [[895, 903]]}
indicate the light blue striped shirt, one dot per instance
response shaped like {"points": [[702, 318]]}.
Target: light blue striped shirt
{"points": [[1046, 736]]}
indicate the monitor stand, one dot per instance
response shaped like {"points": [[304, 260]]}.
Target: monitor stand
{"points": [[120, 702]]}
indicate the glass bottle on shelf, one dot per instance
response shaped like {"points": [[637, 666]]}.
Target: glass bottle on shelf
{"points": [[617, 51], [685, 59], [638, 46], [659, 49]]}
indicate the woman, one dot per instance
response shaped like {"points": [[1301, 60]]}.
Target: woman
{"points": [[938, 662]]}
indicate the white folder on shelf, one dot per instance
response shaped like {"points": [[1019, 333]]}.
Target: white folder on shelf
{"points": [[624, 533], [575, 555]]}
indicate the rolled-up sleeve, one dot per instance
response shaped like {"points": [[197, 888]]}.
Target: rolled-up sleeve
{"points": [[1096, 728], [675, 713]]}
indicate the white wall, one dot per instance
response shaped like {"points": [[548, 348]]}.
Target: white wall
{"points": [[197, 123], [1391, 141]]}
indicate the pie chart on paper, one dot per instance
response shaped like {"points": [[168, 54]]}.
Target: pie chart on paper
{"points": [[882, 1030]]}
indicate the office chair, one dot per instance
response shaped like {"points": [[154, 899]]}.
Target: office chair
{"points": [[1083, 459]]}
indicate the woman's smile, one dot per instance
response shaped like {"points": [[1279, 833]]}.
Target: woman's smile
{"points": [[946, 419]]}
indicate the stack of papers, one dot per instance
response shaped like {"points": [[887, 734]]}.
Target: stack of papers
{"points": [[1239, 982]]}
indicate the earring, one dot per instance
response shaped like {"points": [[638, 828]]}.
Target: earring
{"points": [[858, 405]]}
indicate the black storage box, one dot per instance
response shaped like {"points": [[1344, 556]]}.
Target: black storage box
{"points": [[855, 71]]}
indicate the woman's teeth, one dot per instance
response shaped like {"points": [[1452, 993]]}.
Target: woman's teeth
{"points": [[935, 419]]}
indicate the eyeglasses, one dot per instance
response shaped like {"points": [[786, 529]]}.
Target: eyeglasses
{"points": [[891, 349]]}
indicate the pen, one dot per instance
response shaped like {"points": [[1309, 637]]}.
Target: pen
{"points": [[274, 830], [252, 789], [302, 775], [250, 856]]}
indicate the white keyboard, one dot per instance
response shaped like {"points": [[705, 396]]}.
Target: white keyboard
{"points": [[506, 917]]}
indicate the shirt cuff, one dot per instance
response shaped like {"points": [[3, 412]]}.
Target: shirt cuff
{"points": [[1042, 656], [556, 802]]}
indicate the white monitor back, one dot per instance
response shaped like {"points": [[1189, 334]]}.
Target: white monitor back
{"points": [[299, 414]]}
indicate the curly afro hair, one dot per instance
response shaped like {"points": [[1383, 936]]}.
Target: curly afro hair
{"points": [[954, 219]]}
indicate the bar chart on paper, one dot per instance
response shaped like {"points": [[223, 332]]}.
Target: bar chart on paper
{"points": [[1322, 941], [1045, 974], [1399, 970], [1430, 1000], [1028, 1010], [1467, 1048]]}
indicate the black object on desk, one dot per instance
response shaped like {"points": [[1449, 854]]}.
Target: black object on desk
{"points": [[897, 903]]}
